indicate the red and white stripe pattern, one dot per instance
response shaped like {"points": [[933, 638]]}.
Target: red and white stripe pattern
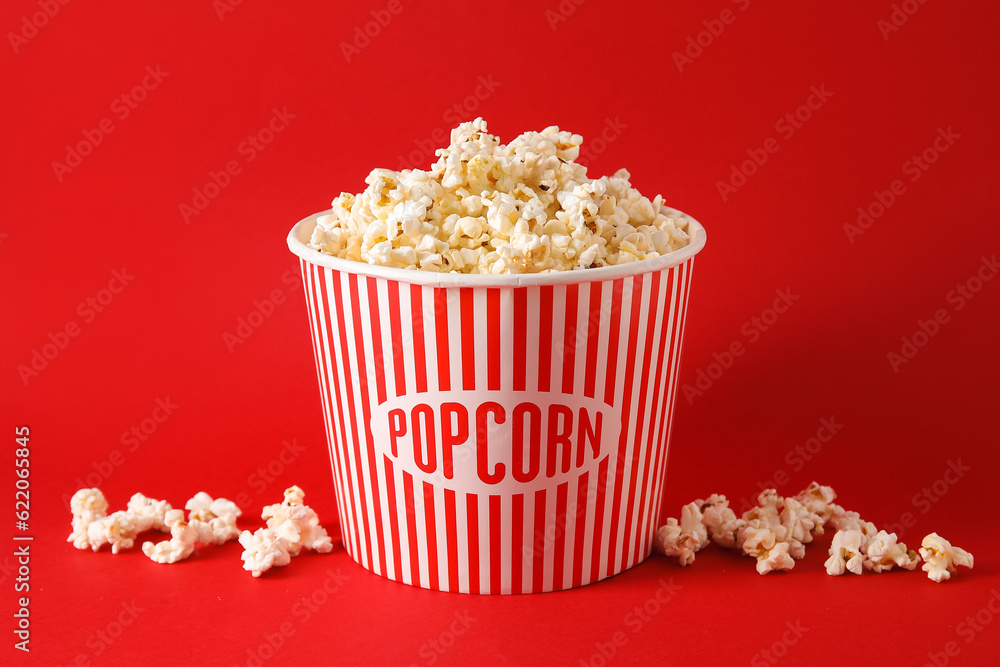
{"points": [[618, 341]]}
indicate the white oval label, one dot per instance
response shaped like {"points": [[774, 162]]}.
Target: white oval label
{"points": [[498, 441]]}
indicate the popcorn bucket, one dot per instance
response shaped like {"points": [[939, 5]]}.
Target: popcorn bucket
{"points": [[497, 434]]}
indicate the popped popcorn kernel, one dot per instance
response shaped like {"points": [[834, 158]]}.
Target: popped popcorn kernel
{"points": [[297, 523], [93, 527], [802, 523], [685, 538], [214, 519], [769, 543], [292, 527], [117, 529], [941, 559], [149, 513], [211, 522], [846, 552], [87, 506], [485, 207], [262, 550], [181, 543], [884, 551], [721, 521]]}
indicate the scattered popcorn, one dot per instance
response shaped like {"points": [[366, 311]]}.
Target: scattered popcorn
{"points": [[149, 514], [297, 524], [485, 207], [768, 544], [768, 508], [213, 519], [181, 543], [87, 506], [801, 522], [941, 558], [210, 522], [93, 527], [846, 552], [263, 550], [767, 517], [818, 500], [291, 528], [721, 521], [117, 529], [776, 532], [685, 539], [884, 551]]}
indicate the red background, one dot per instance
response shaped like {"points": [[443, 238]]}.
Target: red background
{"points": [[681, 132]]}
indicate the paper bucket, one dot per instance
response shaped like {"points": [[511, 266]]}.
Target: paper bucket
{"points": [[497, 434]]}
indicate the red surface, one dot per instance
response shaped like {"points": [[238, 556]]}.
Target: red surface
{"points": [[606, 69]]}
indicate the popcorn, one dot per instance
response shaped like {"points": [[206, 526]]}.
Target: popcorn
{"points": [[766, 528], [484, 207], [87, 506], [941, 558], [291, 528], [801, 522], [210, 522], [297, 524], [720, 520], [853, 521], [767, 509], [884, 551], [262, 550], [685, 539], [776, 531], [846, 552], [117, 529], [213, 519], [93, 527], [181, 543], [769, 544], [149, 514]]}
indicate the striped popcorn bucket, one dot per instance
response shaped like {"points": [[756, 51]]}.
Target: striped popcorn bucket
{"points": [[497, 434]]}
